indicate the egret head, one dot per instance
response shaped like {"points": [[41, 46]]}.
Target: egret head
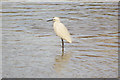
{"points": [[56, 19]]}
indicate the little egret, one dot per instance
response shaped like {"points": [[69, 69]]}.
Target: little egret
{"points": [[61, 31]]}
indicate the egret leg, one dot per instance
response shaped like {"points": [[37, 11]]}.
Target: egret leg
{"points": [[62, 47]]}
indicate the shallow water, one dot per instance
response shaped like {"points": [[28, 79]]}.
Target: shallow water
{"points": [[32, 49]]}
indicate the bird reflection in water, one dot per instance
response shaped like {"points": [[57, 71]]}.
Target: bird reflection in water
{"points": [[61, 61]]}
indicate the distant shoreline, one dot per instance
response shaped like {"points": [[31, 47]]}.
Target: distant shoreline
{"points": [[60, 0]]}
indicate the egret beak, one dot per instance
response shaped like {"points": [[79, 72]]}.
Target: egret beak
{"points": [[50, 20]]}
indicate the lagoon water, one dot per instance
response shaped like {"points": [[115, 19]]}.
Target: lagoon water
{"points": [[31, 49]]}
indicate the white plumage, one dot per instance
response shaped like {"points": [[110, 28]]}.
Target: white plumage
{"points": [[61, 30]]}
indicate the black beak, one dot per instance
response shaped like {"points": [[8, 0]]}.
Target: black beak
{"points": [[50, 20]]}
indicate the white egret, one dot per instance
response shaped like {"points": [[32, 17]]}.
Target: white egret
{"points": [[61, 31]]}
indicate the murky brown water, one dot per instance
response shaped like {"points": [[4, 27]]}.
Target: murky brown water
{"points": [[31, 48]]}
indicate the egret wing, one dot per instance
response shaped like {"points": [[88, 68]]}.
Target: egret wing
{"points": [[62, 32]]}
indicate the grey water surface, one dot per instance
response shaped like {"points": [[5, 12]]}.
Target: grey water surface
{"points": [[31, 49]]}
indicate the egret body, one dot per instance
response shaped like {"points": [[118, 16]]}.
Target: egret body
{"points": [[61, 31]]}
